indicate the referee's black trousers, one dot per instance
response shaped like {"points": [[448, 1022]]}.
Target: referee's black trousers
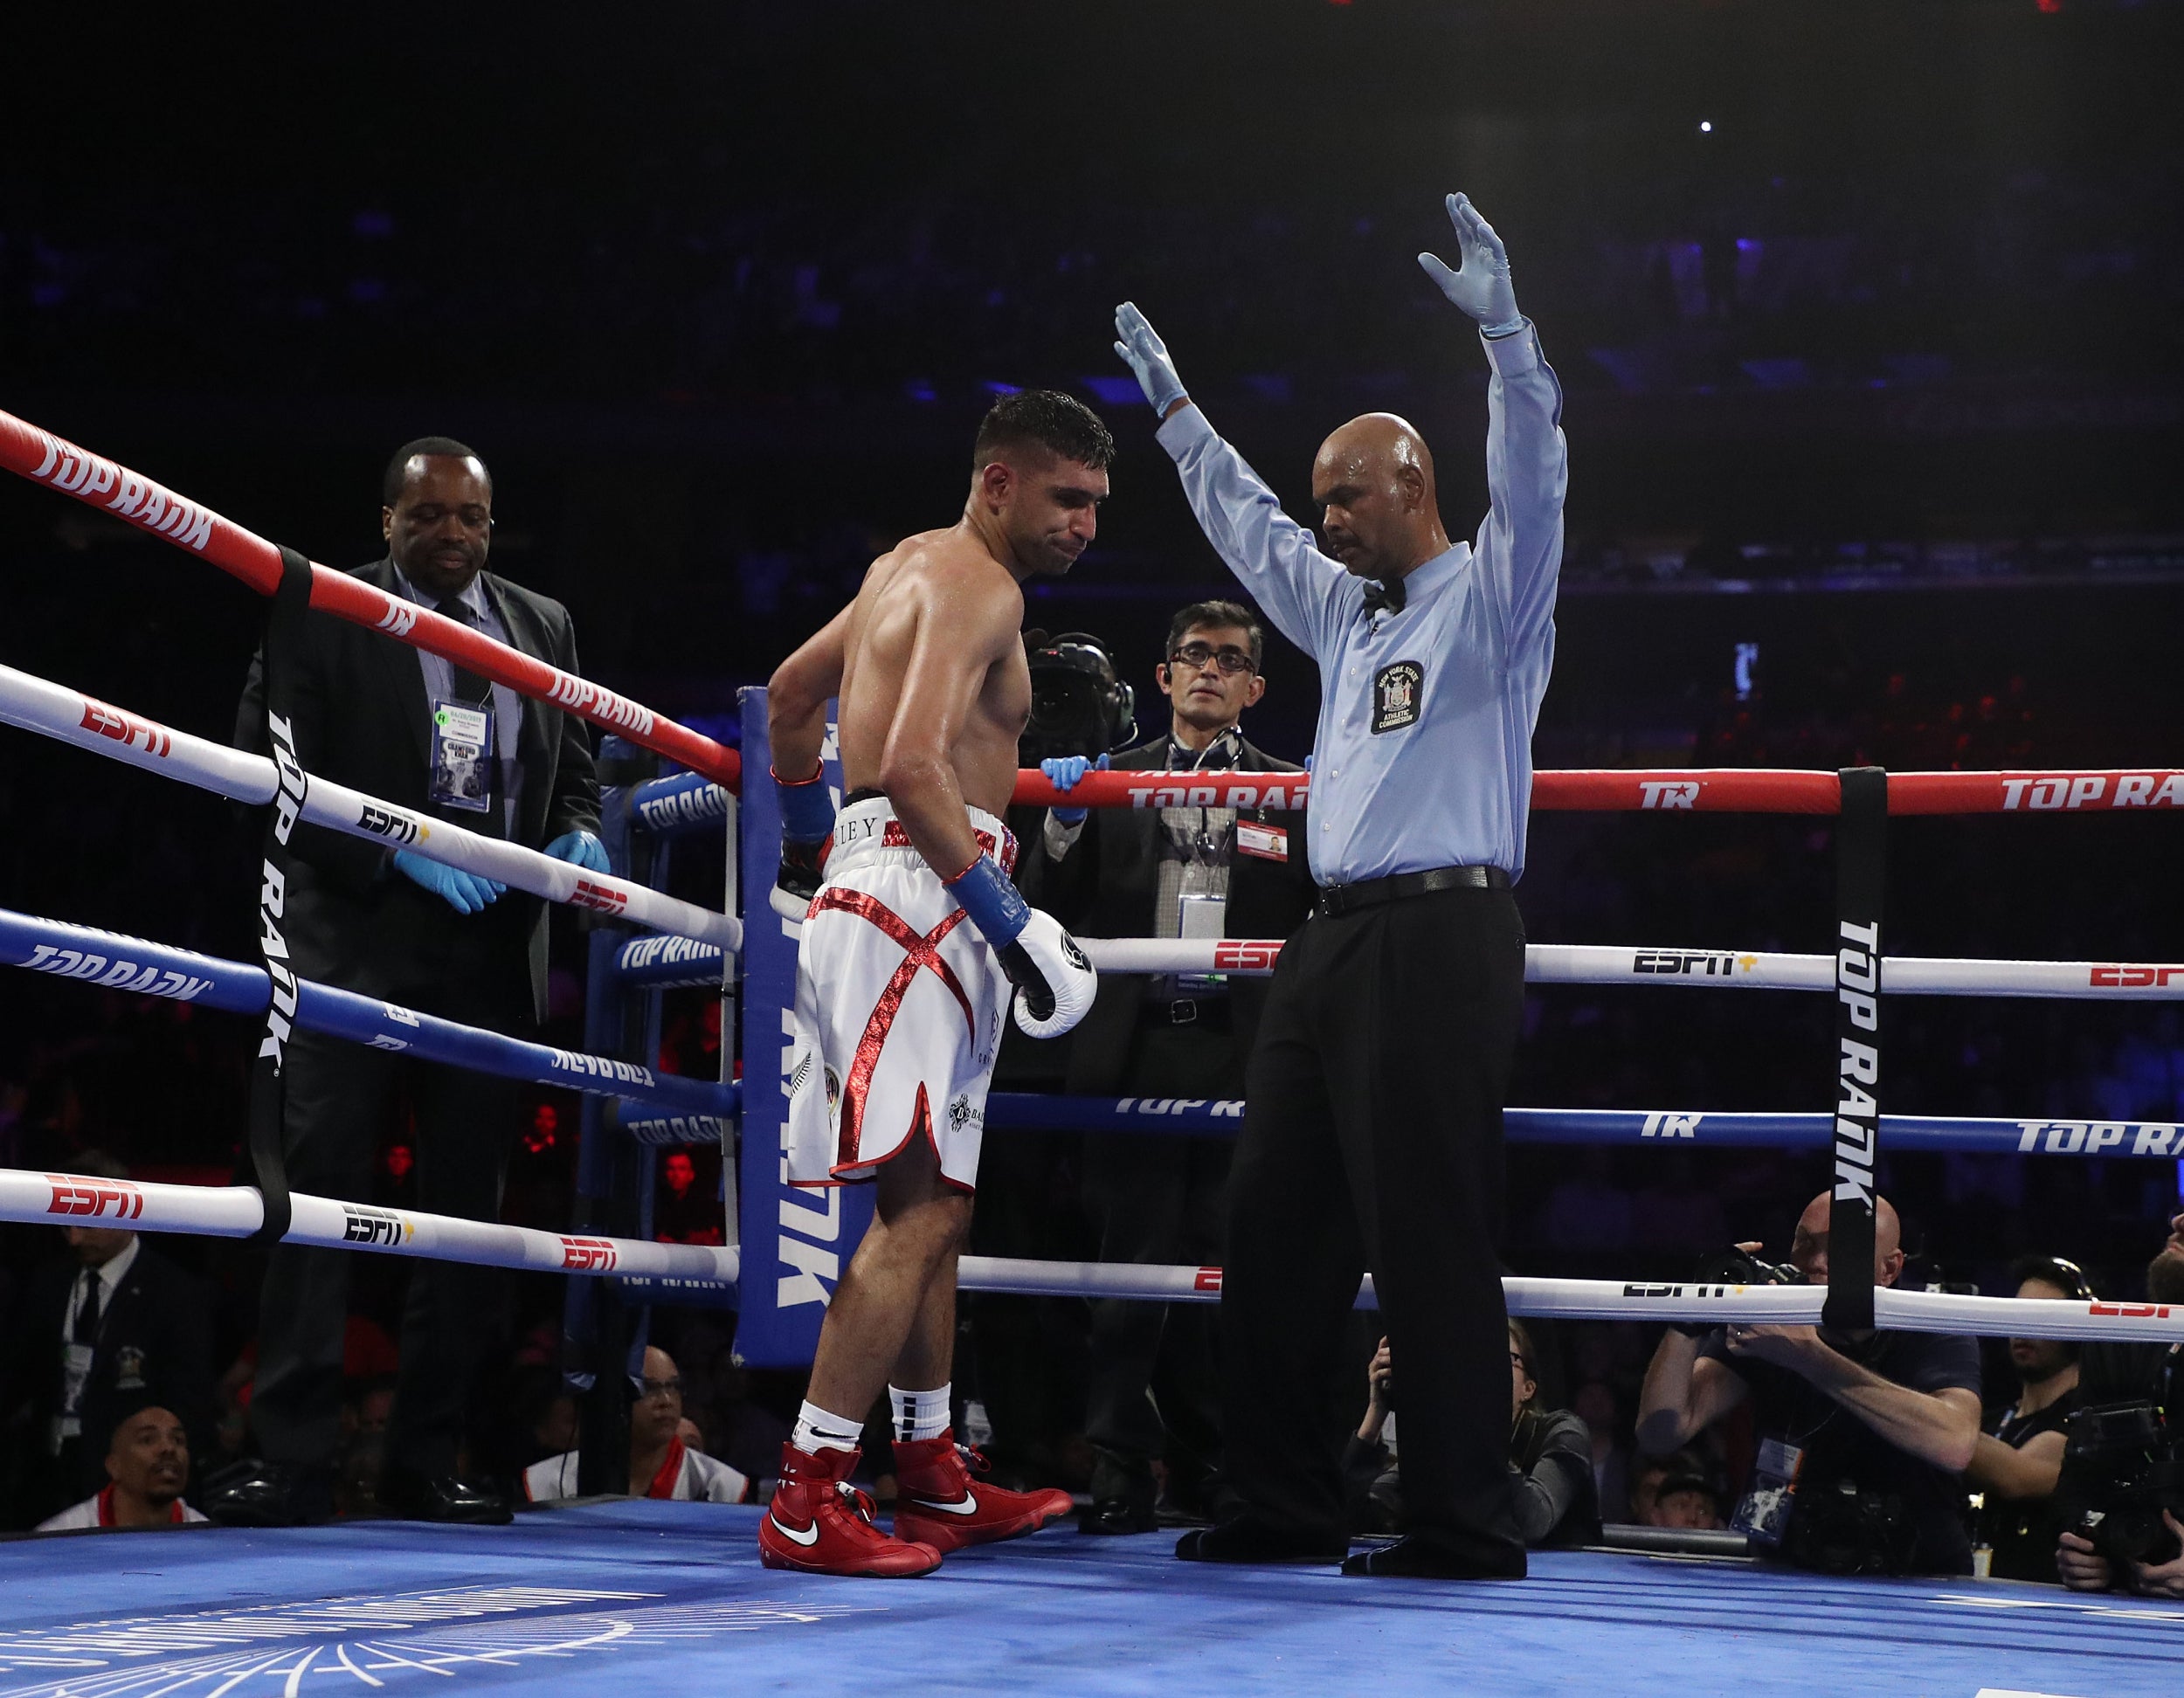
{"points": [[1373, 1139]]}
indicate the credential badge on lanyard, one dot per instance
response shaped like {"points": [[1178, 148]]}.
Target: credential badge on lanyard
{"points": [[462, 755]]}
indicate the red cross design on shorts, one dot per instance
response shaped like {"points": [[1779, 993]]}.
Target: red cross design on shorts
{"points": [[920, 952]]}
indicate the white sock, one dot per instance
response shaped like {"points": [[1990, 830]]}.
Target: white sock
{"points": [[920, 1414], [815, 1430]]}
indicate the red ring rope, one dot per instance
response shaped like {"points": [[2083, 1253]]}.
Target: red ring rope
{"points": [[58, 464]]}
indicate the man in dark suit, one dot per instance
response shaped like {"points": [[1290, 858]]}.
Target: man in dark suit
{"points": [[1168, 872], [98, 1335], [415, 729]]}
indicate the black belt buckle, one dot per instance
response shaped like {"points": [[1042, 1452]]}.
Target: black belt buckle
{"points": [[1183, 1011]]}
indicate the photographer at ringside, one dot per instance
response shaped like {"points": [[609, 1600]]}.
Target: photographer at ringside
{"points": [[1863, 1436], [1549, 1457], [2014, 1467], [2126, 1501]]}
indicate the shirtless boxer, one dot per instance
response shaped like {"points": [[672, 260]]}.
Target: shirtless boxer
{"points": [[909, 950]]}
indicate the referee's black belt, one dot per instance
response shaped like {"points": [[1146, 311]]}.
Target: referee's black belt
{"points": [[1335, 901]]}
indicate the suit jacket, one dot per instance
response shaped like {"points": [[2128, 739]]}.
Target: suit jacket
{"points": [[362, 719], [1108, 885], [153, 1346]]}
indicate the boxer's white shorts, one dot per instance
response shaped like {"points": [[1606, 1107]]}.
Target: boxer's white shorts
{"points": [[899, 1005]]}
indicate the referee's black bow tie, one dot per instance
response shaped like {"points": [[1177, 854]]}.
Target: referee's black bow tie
{"points": [[1386, 596]]}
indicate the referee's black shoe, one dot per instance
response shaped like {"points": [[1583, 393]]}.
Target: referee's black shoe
{"points": [[1248, 1542], [1411, 1558]]}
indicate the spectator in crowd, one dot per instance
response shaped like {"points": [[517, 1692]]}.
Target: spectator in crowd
{"points": [[112, 1327], [661, 1464], [417, 730], [1683, 1498], [1675, 1490], [1170, 873], [682, 1212], [2132, 1373], [1864, 1435], [1550, 1456], [147, 1467], [2016, 1465], [1598, 1406]]}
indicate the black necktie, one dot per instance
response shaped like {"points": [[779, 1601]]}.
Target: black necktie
{"points": [[469, 687], [1384, 596], [84, 1329]]}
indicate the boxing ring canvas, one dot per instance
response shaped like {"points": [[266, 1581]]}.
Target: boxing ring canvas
{"points": [[670, 1597]]}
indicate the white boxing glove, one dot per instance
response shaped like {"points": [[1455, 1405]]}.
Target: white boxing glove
{"points": [[1055, 983]]}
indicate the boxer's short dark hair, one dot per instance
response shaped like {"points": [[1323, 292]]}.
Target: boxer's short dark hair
{"points": [[1208, 615], [1047, 419]]}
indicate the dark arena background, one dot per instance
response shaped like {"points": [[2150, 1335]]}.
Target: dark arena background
{"points": [[1870, 321]]}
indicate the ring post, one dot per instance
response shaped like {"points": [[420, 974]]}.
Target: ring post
{"points": [[795, 1240], [1860, 881]]}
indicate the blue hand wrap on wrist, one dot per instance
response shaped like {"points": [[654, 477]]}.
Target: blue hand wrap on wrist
{"points": [[994, 904], [807, 809]]}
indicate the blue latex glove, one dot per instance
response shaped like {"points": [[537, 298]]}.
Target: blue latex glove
{"points": [[581, 849], [1480, 287], [1063, 772], [1147, 357], [466, 893]]}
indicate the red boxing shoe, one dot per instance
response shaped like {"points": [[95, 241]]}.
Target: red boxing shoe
{"points": [[938, 1503], [818, 1523]]}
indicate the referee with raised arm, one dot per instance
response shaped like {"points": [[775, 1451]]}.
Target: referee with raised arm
{"points": [[1372, 1137]]}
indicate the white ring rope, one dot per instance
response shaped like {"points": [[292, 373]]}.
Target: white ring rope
{"points": [[54, 711], [235, 1211], [63, 1199], [1607, 1299], [1737, 969]]}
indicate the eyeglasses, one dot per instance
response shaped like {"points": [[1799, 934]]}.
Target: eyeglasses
{"points": [[1198, 656], [666, 1387]]}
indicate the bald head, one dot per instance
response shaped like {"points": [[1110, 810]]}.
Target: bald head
{"points": [[1373, 479], [1808, 1249]]}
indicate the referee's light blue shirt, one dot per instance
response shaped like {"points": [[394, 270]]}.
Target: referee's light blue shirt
{"points": [[1424, 753]]}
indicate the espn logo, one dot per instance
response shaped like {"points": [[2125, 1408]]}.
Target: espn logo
{"points": [[92, 1197], [388, 822], [1690, 964], [1236, 954], [1209, 1279], [605, 898], [2130, 1311], [373, 1226], [583, 1255], [125, 729], [2133, 978]]}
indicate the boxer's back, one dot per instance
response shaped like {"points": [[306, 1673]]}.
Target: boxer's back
{"points": [[934, 603]]}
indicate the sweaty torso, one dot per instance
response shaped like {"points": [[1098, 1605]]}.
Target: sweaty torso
{"points": [[921, 605]]}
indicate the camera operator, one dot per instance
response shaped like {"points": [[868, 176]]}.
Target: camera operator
{"points": [[2152, 1377], [2016, 1465], [1862, 1435], [1549, 1457]]}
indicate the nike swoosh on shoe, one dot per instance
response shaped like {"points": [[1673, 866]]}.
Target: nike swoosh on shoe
{"points": [[968, 1507], [808, 1537]]}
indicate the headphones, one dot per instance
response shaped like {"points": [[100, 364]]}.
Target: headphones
{"points": [[2066, 1276]]}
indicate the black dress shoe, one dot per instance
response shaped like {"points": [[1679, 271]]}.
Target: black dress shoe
{"points": [[250, 1493], [1246, 1542], [1118, 1515], [1411, 1558], [443, 1498]]}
